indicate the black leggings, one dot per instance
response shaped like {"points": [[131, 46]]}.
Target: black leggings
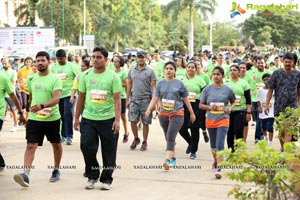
{"points": [[236, 127]]}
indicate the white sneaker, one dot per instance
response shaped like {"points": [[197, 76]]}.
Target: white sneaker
{"points": [[90, 184], [105, 186], [14, 129]]}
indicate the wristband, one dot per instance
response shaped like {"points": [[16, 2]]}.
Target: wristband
{"points": [[20, 112], [249, 113], [42, 106]]}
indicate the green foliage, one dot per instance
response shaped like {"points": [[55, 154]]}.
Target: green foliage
{"points": [[269, 172], [289, 122], [274, 29], [274, 175], [148, 25]]}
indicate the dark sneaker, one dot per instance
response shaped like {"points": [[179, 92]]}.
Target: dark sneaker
{"points": [[166, 165], [90, 184], [125, 138], [68, 141], [193, 156], [55, 175], [144, 146], [218, 174], [105, 186], [22, 179], [188, 150], [205, 136], [140, 127], [172, 162], [135, 142]]}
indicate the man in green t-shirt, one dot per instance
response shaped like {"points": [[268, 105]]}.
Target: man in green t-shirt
{"points": [[44, 118], [99, 99], [157, 65], [7, 88], [67, 72]]}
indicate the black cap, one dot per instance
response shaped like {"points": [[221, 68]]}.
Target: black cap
{"points": [[141, 54]]}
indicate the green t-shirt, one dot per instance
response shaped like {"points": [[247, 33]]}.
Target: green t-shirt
{"points": [[122, 75], [194, 87], [5, 88], [180, 73], [239, 89], [67, 73], [41, 89], [11, 75], [99, 90], [111, 66], [257, 82], [205, 77], [158, 68]]}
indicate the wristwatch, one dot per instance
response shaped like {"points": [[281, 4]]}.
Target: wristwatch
{"points": [[42, 106]]}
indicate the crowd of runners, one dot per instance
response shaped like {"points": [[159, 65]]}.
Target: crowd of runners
{"points": [[214, 95]]}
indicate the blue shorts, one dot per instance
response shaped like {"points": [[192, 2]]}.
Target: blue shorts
{"points": [[267, 124]]}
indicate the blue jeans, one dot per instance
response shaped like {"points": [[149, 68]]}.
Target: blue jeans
{"points": [[66, 110], [258, 128], [217, 137]]}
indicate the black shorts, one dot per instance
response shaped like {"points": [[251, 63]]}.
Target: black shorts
{"points": [[11, 104], [36, 130], [123, 106]]}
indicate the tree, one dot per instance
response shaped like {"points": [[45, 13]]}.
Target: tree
{"points": [[26, 13], [275, 29], [193, 6]]}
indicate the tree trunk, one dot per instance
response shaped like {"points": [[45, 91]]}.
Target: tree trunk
{"points": [[116, 49], [191, 39]]}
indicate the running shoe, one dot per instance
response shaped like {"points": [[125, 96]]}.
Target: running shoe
{"points": [[55, 175], [135, 142], [90, 184], [193, 156], [172, 162], [218, 174], [166, 165], [22, 179], [144, 146], [125, 138], [105, 186], [205, 136]]}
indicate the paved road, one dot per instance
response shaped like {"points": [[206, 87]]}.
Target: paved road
{"points": [[130, 181]]}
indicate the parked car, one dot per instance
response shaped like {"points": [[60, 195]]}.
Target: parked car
{"points": [[132, 51]]}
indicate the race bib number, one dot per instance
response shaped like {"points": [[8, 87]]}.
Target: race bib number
{"points": [[218, 107], [168, 104], [62, 76], [192, 96], [44, 113], [238, 100], [98, 96]]}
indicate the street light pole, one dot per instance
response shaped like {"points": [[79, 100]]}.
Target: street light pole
{"points": [[63, 22], [84, 21], [51, 12]]}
